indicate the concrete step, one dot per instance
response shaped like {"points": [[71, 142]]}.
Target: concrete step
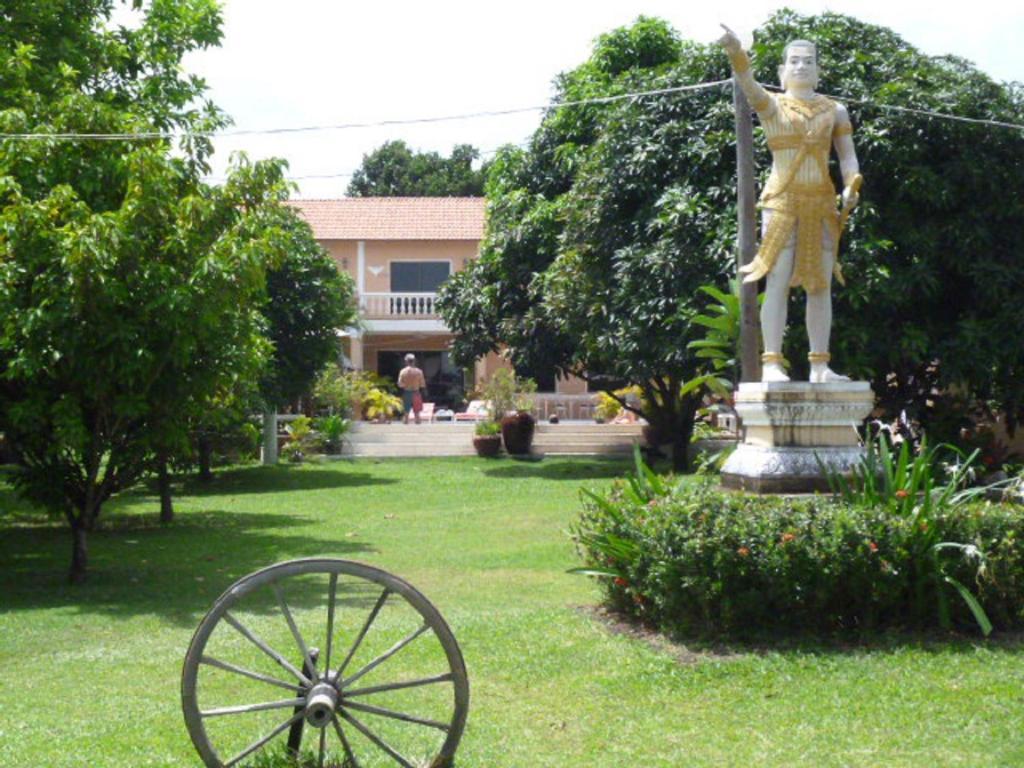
{"points": [[587, 451], [576, 426], [447, 439], [411, 451], [410, 439], [547, 439], [588, 427], [397, 451]]}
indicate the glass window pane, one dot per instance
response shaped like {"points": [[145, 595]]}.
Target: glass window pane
{"points": [[418, 276]]}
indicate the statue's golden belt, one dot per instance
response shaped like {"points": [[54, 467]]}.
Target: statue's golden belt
{"points": [[795, 196], [806, 210]]}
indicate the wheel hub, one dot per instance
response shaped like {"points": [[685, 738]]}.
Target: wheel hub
{"points": [[321, 704]]}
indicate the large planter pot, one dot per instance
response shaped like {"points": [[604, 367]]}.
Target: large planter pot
{"points": [[517, 432], [487, 446]]}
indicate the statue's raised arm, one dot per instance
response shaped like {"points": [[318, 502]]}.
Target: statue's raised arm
{"points": [[758, 97]]}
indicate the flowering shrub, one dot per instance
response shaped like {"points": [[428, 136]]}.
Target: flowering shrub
{"points": [[693, 559], [608, 407]]}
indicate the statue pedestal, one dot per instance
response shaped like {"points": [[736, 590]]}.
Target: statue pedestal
{"points": [[786, 425]]}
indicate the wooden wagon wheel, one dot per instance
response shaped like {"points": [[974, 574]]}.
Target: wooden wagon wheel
{"points": [[254, 641]]}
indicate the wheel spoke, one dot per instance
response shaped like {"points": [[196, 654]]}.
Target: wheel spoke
{"points": [[310, 664], [211, 661], [252, 638], [445, 678], [397, 715], [257, 744], [376, 740], [363, 631], [331, 593], [344, 743], [357, 661], [242, 709], [385, 656]]}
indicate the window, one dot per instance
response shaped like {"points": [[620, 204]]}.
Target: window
{"points": [[418, 276]]}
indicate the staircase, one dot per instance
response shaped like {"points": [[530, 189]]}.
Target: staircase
{"points": [[448, 439], [586, 439]]}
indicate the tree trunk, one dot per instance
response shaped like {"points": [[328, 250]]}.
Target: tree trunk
{"points": [[680, 448], [164, 483], [681, 435], [79, 552], [88, 522], [270, 437], [205, 457]]}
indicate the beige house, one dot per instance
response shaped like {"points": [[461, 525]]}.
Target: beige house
{"points": [[399, 250]]}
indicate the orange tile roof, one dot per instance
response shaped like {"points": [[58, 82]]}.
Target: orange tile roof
{"points": [[394, 218]]}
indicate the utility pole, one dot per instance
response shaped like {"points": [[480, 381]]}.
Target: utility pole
{"points": [[750, 324]]}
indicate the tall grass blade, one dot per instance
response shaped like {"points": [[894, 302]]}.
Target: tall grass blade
{"points": [[605, 506], [972, 602]]}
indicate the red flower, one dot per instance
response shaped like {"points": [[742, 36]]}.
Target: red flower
{"points": [[902, 494], [872, 546], [621, 582], [743, 552]]}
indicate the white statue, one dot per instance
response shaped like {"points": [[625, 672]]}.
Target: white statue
{"points": [[800, 225]]}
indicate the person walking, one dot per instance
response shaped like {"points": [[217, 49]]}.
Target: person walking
{"points": [[412, 383]]}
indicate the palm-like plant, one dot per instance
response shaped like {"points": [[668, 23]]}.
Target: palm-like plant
{"points": [[918, 487], [722, 319]]}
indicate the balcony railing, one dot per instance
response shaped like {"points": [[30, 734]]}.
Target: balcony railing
{"points": [[398, 306]]}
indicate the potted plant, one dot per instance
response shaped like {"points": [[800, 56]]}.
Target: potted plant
{"points": [[487, 439], [511, 400], [499, 392], [518, 427], [300, 439], [333, 429]]}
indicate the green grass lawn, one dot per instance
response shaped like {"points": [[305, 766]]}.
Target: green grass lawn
{"points": [[89, 676]]}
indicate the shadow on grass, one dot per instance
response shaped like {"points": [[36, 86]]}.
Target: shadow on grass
{"points": [[237, 481], [282, 478], [559, 469], [689, 649], [138, 567]]}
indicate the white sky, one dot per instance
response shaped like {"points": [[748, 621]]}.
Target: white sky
{"points": [[324, 62]]}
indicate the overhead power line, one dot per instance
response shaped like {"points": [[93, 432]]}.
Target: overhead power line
{"points": [[159, 135], [155, 135]]}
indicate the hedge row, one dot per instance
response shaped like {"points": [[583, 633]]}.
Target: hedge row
{"points": [[694, 559]]}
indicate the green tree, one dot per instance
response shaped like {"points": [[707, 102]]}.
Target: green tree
{"points": [[130, 291], [602, 230], [395, 170], [309, 300]]}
